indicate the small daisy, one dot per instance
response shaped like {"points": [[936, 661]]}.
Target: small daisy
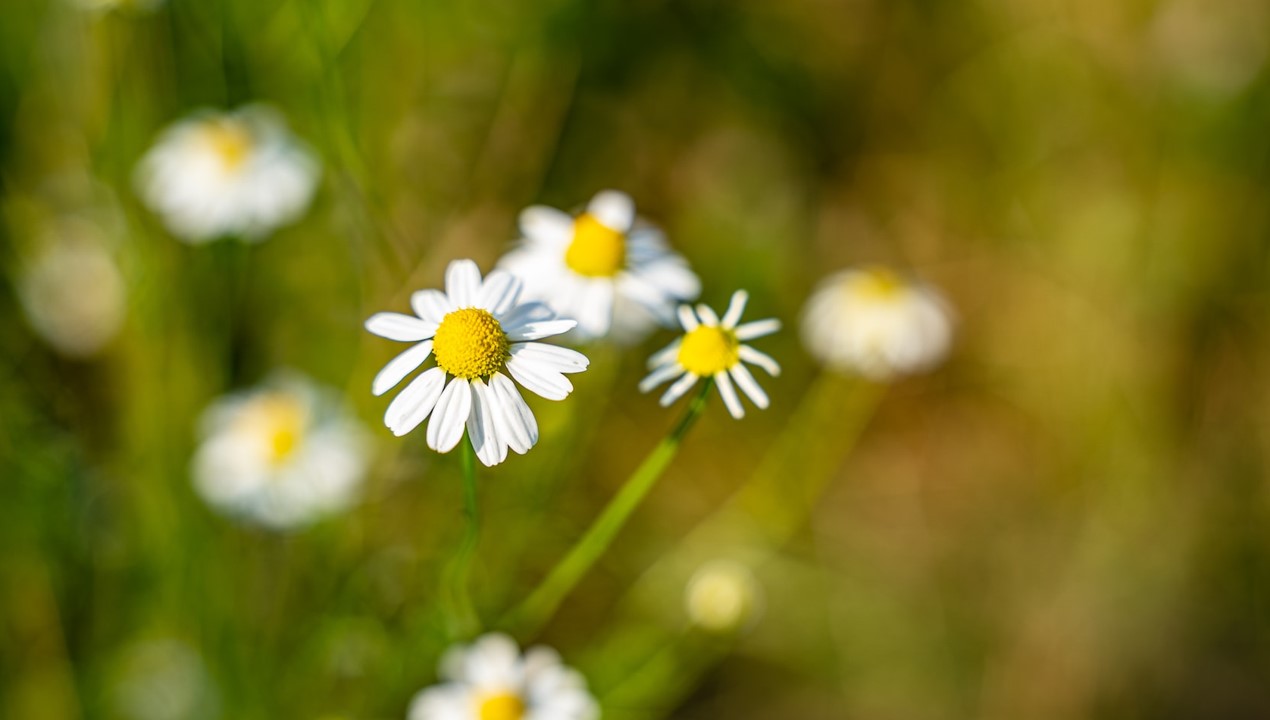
{"points": [[282, 455], [73, 293], [491, 680], [713, 348], [228, 174], [479, 333], [722, 596], [874, 323], [612, 272]]}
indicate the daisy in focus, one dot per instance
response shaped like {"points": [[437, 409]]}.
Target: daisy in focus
{"points": [[491, 680], [282, 455], [479, 333], [714, 348], [238, 174], [613, 273], [872, 322]]}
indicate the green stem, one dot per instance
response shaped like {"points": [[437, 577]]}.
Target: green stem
{"points": [[543, 601], [464, 617]]}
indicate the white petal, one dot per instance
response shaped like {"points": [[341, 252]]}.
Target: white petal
{"points": [[499, 292], [757, 329], [763, 360], [659, 376], [749, 385], [515, 422], [399, 367], [546, 224], [526, 313], [735, 308], [665, 355], [463, 283], [538, 379], [707, 315], [729, 395], [403, 328], [614, 209], [554, 357], [482, 429], [539, 330], [431, 305], [676, 391], [413, 404], [687, 319], [445, 430]]}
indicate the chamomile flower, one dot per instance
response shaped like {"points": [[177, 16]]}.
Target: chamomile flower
{"points": [[605, 267], [73, 292], [491, 680], [714, 348], [872, 322], [281, 455], [479, 333], [722, 596], [239, 174]]}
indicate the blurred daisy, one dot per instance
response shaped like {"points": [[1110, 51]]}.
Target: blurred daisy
{"points": [[282, 455], [713, 347], [491, 680], [479, 332], [108, 5], [876, 324], [613, 273], [73, 293], [164, 679], [220, 174], [722, 596]]}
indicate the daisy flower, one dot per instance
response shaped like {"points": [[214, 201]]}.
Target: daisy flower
{"points": [[491, 680], [73, 293], [479, 333], [281, 455], [874, 323], [713, 347], [611, 271], [219, 174], [722, 596]]}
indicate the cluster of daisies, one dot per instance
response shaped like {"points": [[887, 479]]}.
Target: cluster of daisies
{"points": [[287, 452]]}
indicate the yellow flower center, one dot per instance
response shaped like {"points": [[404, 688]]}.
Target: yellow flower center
{"points": [[470, 343], [230, 141], [501, 706], [878, 284], [597, 250], [708, 350], [279, 421]]}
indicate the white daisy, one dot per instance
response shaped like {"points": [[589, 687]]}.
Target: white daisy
{"points": [[281, 455], [228, 174], [73, 292], [479, 333], [713, 347], [491, 680], [874, 323], [612, 272], [722, 596]]}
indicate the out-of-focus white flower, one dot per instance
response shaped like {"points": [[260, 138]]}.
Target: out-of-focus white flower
{"points": [[722, 596], [102, 6], [73, 292], [873, 323], [491, 680], [239, 174], [164, 680], [479, 332], [613, 273], [281, 455], [714, 348]]}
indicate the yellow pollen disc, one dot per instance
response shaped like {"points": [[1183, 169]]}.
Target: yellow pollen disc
{"points": [[277, 419], [597, 250], [708, 350], [470, 344], [230, 140], [878, 284], [501, 706]]}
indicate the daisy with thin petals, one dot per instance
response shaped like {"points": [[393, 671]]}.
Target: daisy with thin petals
{"points": [[216, 174], [491, 680], [714, 347], [876, 324], [479, 333], [605, 267]]}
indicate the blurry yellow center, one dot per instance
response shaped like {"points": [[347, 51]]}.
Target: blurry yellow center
{"points": [[501, 706], [470, 343], [230, 140], [597, 250], [878, 284], [279, 421], [708, 350]]}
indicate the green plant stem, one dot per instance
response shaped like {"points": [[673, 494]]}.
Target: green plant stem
{"points": [[463, 613], [543, 601]]}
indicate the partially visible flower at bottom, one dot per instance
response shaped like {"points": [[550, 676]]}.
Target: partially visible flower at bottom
{"points": [[872, 322], [281, 455], [713, 347], [491, 680], [164, 679], [722, 596]]}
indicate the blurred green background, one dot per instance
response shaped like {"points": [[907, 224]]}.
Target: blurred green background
{"points": [[1070, 519]]}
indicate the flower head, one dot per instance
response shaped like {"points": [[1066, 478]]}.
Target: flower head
{"points": [[281, 455], [479, 333], [491, 680], [73, 292], [722, 596], [715, 348], [613, 273], [219, 174], [876, 324]]}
